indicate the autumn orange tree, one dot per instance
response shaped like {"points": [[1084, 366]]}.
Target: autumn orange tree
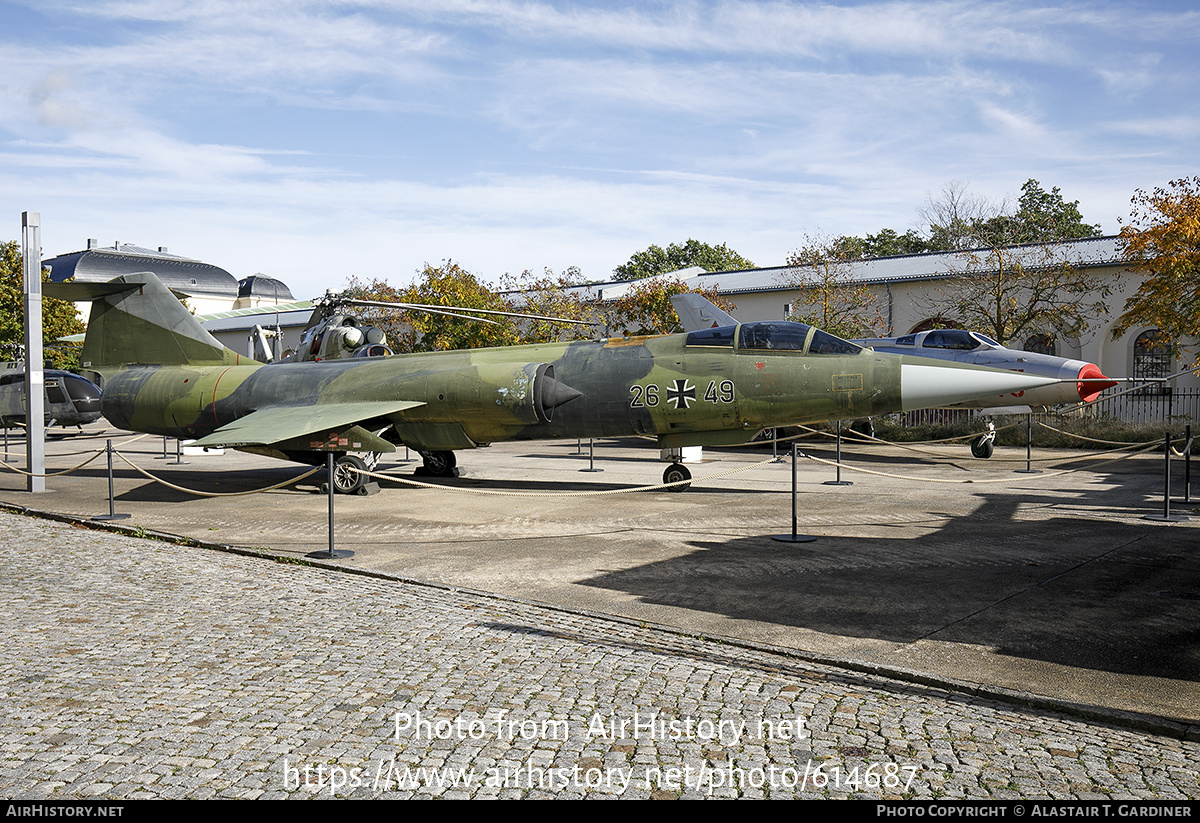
{"points": [[646, 307], [1162, 243], [451, 286], [447, 285], [550, 295]]}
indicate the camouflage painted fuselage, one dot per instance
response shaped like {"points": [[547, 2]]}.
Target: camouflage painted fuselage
{"points": [[164, 374], [652, 386]]}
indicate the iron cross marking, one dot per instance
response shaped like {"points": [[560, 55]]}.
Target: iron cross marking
{"points": [[682, 395]]}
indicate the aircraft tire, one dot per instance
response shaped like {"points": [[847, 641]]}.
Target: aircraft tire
{"points": [[440, 464], [982, 447], [674, 473], [347, 474]]}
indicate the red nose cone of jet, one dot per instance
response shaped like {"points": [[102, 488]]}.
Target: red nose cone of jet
{"points": [[1096, 382]]}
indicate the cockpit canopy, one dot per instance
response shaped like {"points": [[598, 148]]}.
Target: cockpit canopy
{"points": [[781, 336], [953, 339]]}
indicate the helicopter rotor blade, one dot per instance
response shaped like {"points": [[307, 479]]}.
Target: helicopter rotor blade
{"points": [[444, 310]]}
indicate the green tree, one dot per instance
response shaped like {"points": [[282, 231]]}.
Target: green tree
{"points": [[1040, 217], [959, 221], [822, 272], [657, 260], [1162, 243], [59, 317], [884, 243], [1012, 281]]}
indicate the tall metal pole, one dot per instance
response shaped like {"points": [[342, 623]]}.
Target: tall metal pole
{"points": [[35, 380]]}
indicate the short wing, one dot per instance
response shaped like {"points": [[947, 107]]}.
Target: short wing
{"points": [[279, 423]]}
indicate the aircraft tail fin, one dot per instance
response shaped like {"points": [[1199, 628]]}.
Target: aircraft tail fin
{"points": [[697, 312], [136, 320]]}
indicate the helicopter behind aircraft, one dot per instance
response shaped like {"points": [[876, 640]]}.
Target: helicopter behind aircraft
{"points": [[71, 400], [164, 374]]}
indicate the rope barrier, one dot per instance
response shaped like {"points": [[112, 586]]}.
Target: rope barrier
{"points": [[1082, 437], [53, 474], [873, 439], [133, 439], [656, 487], [1043, 476], [1138, 448], [1187, 447], [997, 459], [142, 471]]}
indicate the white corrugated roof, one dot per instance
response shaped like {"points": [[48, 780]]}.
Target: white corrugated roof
{"points": [[1094, 251]]}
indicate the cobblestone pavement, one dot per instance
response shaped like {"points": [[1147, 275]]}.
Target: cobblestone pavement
{"points": [[138, 669]]}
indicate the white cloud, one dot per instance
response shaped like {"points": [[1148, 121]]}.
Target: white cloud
{"points": [[310, 138]]}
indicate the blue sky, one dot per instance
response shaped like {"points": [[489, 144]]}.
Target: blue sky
{"points": [[313, 140]]}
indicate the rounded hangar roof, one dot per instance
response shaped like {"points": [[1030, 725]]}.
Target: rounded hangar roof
{"points": [[259, 285], [182, 274]]}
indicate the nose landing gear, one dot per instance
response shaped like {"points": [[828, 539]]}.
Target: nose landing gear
{"points": [[676, 473]]}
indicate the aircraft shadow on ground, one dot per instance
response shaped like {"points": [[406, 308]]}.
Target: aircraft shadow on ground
{"points": [[1103, 595]]}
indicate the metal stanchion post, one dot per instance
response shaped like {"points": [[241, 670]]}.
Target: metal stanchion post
{"points": [[330, 553], [1028, 448], [839, 481], [112, 514], [793, 537], [164, 454], [1166, 516], [591, 458], [1187, 464], [179, 461]]}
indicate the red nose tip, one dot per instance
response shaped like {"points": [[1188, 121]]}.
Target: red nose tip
{"points": [[1096, 382]]}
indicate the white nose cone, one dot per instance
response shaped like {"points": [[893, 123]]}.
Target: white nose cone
{"points": [[925, 387]]}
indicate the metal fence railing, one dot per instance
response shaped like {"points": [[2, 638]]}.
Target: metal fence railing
{"points": [[1154, 404]]}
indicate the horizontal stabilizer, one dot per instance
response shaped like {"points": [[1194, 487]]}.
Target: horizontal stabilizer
{"points": [[273, 425], [83, 292]]}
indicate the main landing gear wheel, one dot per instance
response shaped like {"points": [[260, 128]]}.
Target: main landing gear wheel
{"points": [[348, 477], [440, 464], [674, 474]]}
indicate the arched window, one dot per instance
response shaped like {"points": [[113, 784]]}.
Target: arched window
{"points": [[1151, 359], [1041, 344]]}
